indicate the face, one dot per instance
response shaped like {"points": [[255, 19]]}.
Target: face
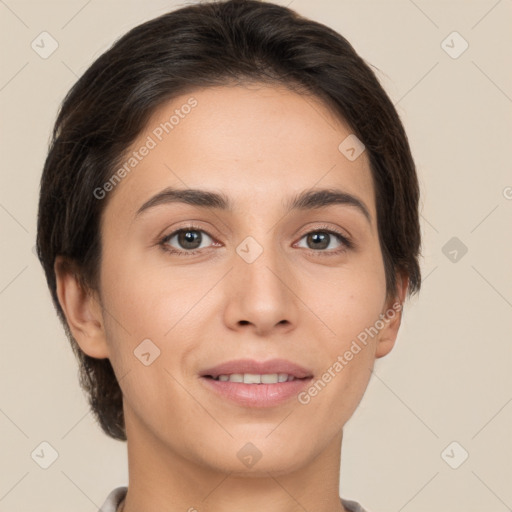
{"points": [[256, 278]]}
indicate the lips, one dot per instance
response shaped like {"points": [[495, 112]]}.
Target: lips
{"points": [[257, 367]]}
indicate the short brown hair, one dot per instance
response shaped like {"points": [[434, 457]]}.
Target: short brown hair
{"points": [[201, 45]]}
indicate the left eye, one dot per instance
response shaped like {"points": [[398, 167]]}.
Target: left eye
{"points": [[322, 238]]}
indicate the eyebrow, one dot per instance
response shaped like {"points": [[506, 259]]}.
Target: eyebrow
{"points": [[306, 200]]}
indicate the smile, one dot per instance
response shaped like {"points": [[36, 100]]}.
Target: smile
{"points": [[241, 389]]}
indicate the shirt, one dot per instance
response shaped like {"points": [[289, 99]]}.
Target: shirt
{"points": [[117, 495]]}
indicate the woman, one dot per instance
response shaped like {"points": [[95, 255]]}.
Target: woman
{"points": [[228, 223]]}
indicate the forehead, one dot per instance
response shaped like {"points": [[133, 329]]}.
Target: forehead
{"points": [[258, 144]]}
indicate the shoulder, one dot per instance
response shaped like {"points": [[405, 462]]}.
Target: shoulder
{"points": [[113, 499], [116, 496], [352, 506]]}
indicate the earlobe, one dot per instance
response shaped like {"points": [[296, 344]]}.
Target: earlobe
{"points": [[392, 318], [82, 310]]}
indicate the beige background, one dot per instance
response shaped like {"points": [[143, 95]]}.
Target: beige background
{"points": [[448, 379]]}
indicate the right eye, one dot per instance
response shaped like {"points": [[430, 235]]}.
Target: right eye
{"points": [[189, 240]]}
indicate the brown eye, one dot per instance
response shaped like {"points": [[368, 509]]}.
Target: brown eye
{"points": [[318, 240], [322, 239], [185, 240]]}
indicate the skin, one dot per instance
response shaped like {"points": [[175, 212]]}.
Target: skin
{"points": [[258, 145]]}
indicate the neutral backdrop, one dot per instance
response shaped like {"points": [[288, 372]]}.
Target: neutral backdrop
{"points": [[444, 393]]}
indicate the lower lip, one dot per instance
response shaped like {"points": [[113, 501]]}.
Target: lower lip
{"points": [[257, 395]]}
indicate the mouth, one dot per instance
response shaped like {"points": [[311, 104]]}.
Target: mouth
{"points": [[249, 383], [271, 370], [255, 378], [255, 394]]}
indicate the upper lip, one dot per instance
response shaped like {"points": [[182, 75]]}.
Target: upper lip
{"points": [[258, 367]]}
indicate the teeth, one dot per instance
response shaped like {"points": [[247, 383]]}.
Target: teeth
{"points": [[255, 378]]}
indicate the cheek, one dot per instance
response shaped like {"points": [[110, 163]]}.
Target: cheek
{"points": [[348, 353], [154, 303], [146, 299], [145, 315], [349, 304], [349, 301]]}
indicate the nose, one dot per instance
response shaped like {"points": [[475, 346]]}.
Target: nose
{"points": [[261, 291]]}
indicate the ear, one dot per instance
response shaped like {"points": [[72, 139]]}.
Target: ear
{"points": [[82, 309], [392, 317]]}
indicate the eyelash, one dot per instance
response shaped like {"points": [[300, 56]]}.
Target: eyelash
{"points": [[346, 243]]}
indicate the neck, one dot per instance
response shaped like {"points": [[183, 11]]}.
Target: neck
{"points": [[160, 479]]}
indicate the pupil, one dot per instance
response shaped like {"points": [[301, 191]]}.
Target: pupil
{"points": [[187, 238], [320, 239]]}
